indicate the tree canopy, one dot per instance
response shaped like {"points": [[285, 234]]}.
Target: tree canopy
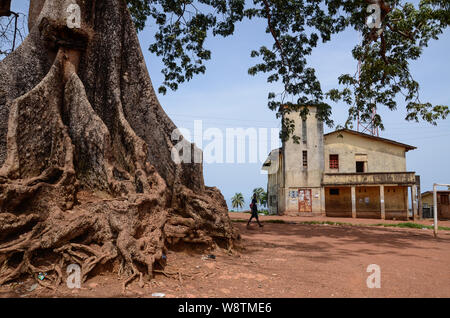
{"points": [[259, 192], [389, 45], [393, 33]]}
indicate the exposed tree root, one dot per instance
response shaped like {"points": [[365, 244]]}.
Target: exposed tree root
{"points": [[86, 176]]}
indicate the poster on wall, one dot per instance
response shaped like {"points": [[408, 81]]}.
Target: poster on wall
{"points": [[308, 195], [301, 195], [293, 196], [304, 200]]}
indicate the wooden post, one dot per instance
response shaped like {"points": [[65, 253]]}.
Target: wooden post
{"points": [[435, 210], [353, 201]]}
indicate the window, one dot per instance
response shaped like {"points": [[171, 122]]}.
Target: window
{"points": [[334, 161], [444, 198], [359, 166], [334, 191], [305, 159]]}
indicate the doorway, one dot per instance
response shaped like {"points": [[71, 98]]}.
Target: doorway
{"points": [[304, 200]]}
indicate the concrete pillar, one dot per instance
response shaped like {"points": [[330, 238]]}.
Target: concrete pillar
{"points": [[322, 201], [382, 205], [419, 199], [406, 202], [353, 202], [414, 201]]}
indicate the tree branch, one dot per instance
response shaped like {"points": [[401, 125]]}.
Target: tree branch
{"points": [[394, 29], [274, 35]]}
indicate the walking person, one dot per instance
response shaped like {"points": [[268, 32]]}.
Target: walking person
{"points": [[254, 208]]}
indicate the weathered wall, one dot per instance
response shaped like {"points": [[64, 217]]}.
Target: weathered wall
{"points": [[273, 186], [395, 202], [291, 198], [272, 194], [381, 156], [274, 170], [395, 198], [338, 205], [375, 178], [368, 202], [427, 199], [297, 176], [443, 209]]}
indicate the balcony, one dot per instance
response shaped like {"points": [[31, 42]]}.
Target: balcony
{"points": [[369, 178]]}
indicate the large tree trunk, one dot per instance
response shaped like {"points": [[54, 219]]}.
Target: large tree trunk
{"points": [[85, 149]]}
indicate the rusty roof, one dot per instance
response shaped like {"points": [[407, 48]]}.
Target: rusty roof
{"points": [[431, 192]]}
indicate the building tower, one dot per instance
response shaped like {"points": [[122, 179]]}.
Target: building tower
{"points": [[303, 165]]}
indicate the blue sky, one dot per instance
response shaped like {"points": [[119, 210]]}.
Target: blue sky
{"points": [[227, 97]]}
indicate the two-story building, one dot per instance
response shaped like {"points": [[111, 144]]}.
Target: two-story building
{"points": [[344, 173]]}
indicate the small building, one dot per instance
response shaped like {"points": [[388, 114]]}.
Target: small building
{"points": [[344, 173], [443, 205]]}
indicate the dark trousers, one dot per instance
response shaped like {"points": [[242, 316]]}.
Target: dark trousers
{"points": [[254, 215]]}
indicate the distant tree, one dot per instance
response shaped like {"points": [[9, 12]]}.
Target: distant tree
{"points": [[237, 201], [394, 34], [259, 194]]}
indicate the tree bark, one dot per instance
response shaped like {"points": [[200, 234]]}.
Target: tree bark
{"points": [[85, 153]]}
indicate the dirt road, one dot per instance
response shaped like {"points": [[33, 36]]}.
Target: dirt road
{"points": [[293, 260]]}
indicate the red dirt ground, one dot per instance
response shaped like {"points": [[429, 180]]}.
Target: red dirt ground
{"points": [[292, 260], [298, 219]]}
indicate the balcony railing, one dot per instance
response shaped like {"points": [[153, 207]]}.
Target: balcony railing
{"points": [[393, 178]]}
